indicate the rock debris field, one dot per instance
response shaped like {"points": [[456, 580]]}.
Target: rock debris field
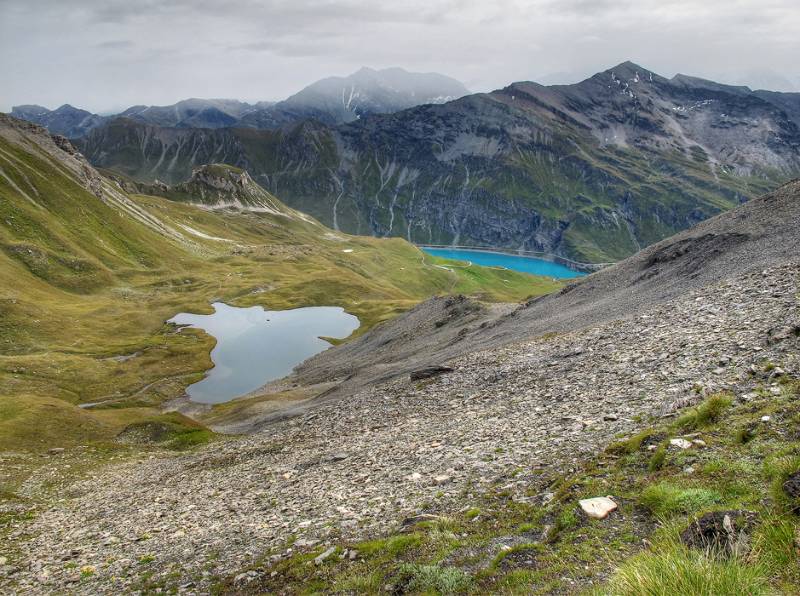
{"points": [[358, 466]]}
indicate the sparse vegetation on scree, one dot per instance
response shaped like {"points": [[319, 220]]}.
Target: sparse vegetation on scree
{"points": [[548, 545]]}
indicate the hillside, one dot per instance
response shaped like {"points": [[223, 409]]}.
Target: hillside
{"points": [[758, 234], [90, 273], [593, 171], [668, 382]]}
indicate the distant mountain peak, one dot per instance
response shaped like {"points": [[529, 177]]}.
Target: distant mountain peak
{"points": [[371, 91], [632, 72]]}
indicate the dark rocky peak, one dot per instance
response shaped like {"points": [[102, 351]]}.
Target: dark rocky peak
{"points": [[624, 74], [65, 120], [632, 72]]}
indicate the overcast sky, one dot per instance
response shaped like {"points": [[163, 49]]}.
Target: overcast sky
{"points": [[108, 54]]}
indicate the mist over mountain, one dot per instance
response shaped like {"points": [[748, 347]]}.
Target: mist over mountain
{"points": [[343, 99]]}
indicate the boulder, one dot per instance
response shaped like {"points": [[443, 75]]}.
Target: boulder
{"points": [[778, 334], [598, 507]]}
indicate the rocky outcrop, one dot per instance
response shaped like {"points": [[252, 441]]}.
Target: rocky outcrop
{"points": [[219, 186]]}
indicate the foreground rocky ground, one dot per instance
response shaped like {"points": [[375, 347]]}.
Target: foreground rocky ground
{"points": [[359, 466]]}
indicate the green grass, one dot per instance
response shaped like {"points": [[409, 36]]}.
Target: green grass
{"points": [[172, 430], [673, 569], [427, 579], [658, 458], [704, 414], [665, 499]]}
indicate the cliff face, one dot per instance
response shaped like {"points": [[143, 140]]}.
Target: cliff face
{"points": [[593, 171]]}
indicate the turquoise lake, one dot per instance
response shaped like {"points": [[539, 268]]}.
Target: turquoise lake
{"points": [[496, 259], [255, 346]]}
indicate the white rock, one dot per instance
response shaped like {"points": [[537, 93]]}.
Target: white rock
{"points": [[698, 442], [682, 443], [321, 558], [765, 418], [598, 507]]}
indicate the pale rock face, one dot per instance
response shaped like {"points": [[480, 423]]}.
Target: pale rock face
{"points": [[598, 507]]}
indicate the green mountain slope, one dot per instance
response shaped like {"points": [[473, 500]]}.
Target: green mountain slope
{"points": [[89, 274]]}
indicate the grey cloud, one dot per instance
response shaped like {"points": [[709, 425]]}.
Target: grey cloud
{"points": [[104, 53], [121, 44]]}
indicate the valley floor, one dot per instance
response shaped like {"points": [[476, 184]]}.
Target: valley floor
{"points": [[504, 421]]}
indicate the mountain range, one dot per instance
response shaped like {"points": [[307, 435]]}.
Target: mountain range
{"points": [[592, 171], [332, 100]]}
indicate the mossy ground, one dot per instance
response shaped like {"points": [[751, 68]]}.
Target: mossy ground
{"points": [[546, 545]]}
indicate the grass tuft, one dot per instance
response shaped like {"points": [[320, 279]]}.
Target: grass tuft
{"points": [[665, 499], [674, 569], [706, 413], [432, 578], [657, 459]]}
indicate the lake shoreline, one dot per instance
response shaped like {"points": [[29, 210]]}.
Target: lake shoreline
{"points": [[543, 264]]}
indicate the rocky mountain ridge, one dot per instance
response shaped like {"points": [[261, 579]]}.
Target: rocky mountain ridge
{"points": [[592, 171], [333, 100]]}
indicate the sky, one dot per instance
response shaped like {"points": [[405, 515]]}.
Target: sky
{"points": [[105, 55]]}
